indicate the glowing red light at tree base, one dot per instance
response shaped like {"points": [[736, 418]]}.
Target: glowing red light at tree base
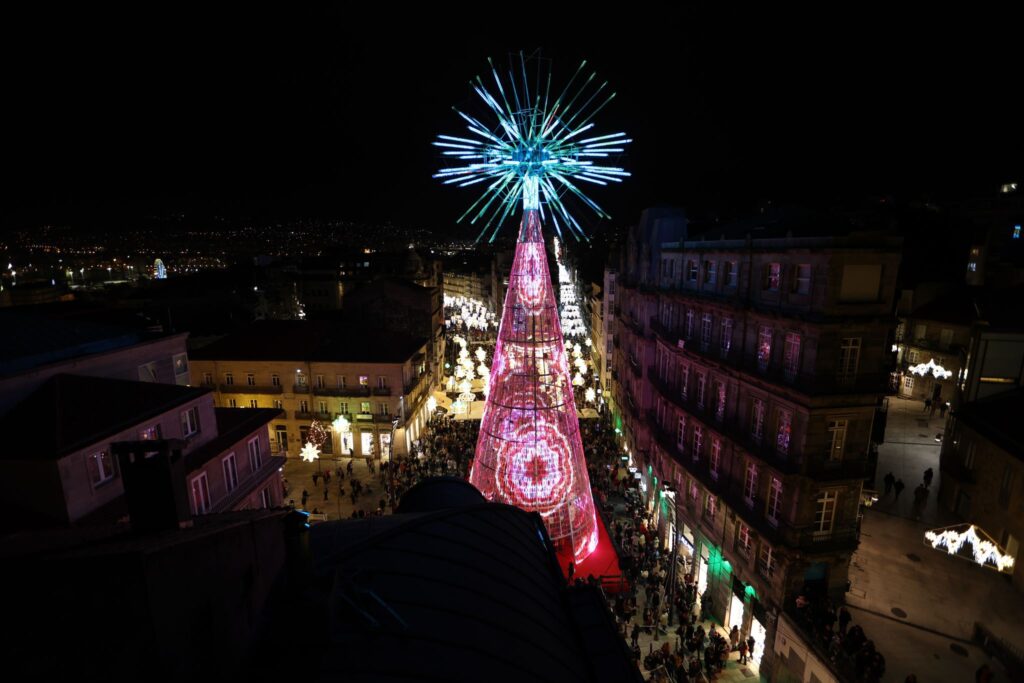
{"points": [[529, 452]]}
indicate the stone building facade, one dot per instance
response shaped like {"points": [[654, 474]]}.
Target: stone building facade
{"points": [[749, 371]]}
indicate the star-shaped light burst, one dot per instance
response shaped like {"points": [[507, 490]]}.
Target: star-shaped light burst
{"points": [[309, 452], [534, 148]]}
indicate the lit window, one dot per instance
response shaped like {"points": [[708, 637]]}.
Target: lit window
{"points": [[849, 358], [681, 432], [698, 442], [715, 459], [764, 348], [791, 356], [1016, 232], [254, 403], [785, 429], [275, 380], [232, 403], [720, 402], [802, 281], [229, 378], [725, 343], [757, 420], [710, 506], [709, 269], [837, 428], [766, 563], [705, 332], [701, 383], [190, 422], [101, 467], [743, 539], [230, 472], [750, 483], [250, 379], [774, 500], [689, 323], [772, 276], [255, 456], [200, 495], [825, 514]]}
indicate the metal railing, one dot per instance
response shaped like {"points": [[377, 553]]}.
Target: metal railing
{"points": [[249, 389]]}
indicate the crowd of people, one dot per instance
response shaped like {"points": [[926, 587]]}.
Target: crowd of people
{"points": [[444, 449], [846, 646], [657, 601]]}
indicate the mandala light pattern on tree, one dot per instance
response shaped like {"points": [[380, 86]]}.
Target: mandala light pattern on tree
{"points": [[529, 452]]}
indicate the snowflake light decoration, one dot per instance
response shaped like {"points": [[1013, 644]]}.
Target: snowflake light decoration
{"points": [[309, 452], [534, 148]]}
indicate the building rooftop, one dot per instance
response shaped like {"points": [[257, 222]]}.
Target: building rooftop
{"points": [[233, 424], [997, 418], [40, 335], [311, 340], [69, 412]]}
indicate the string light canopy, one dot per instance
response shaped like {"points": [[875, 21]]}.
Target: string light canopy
{"points": [[970, 542], [937, 370]]}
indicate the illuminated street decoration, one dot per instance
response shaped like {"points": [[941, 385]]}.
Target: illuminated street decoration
{"points": [[529, 452], [317, 433], [431, 405], [924, 368], [534, 149], [590, 395], [309, 452], [984, 550]]}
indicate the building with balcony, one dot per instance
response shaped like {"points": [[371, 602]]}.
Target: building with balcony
{"points": [[750, 364], [931, 345], [982, 464], [320, 370]]}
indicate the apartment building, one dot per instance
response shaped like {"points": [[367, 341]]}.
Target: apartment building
{"points": [[749, 364], [320, 370]]}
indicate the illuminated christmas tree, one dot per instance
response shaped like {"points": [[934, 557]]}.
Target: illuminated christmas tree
{"points": [[529, 452]]}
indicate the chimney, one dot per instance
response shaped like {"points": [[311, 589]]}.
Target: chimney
{"points": [[153, 473]]}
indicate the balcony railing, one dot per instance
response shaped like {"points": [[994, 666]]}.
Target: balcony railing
{"points": [[249, 389], [309, 415], [382, 391], [358, 390], [300, 388]]}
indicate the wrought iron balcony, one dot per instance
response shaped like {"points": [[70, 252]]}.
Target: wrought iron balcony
{"points": [[249, 389]]}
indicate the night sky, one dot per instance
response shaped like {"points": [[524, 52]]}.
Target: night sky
{"points": [[333, 114]]}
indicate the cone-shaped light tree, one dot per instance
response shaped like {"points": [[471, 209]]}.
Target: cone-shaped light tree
{"points": [[529, 452]]}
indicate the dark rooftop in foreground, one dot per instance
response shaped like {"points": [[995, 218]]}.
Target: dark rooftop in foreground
{"points": [[998, 418], [69, 412], [452, 588], [311, 340]]}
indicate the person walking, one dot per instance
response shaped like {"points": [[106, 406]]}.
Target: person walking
{"points": [[326, 492], [316, 479], [734, 637], [635, 634], [571, 570], [942, 409], [927, 405], [751, 643], [928, 474], [327, 477], [743, 651], [898, 486], [305, 497], [889, 481]]}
